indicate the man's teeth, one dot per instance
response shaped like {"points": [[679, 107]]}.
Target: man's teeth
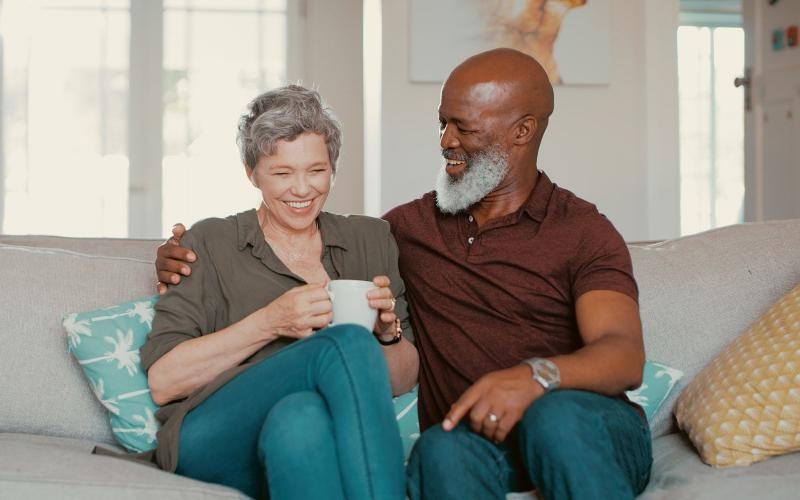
{"points": [[298, 204], [453, 162]]}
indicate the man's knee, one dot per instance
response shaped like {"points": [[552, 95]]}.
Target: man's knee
{"points": [[299, 423], [559, 420]]}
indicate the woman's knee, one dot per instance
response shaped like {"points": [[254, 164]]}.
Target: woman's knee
{"points": [[354, 342], [299, 423]]}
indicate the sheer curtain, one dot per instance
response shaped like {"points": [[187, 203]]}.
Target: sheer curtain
{"points": [[68, 77]]}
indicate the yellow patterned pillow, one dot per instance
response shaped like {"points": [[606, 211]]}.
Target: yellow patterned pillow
{"points": [[745, 405]]}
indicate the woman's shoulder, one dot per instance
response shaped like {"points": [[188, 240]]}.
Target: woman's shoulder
{"points": [[356, 225], [218, 229]]}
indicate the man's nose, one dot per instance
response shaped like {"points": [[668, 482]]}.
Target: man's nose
{"points": [[448, 138]]}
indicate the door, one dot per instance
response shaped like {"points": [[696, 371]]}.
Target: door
{"points": [[772, 106]]}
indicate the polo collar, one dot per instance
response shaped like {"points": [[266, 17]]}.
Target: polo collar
{"points": [[536, 204]]}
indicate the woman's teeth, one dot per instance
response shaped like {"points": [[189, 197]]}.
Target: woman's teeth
{"points": [[298, 204]]}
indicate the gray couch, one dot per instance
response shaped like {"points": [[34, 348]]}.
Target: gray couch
{"points": [[697, 294]]}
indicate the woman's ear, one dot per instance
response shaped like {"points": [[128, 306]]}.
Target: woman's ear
{"points": [[251, 174]]}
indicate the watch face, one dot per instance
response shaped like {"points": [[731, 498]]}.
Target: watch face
{"points": [[548, 371]]}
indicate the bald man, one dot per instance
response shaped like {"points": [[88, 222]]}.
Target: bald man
{"points": [[523, 304]]}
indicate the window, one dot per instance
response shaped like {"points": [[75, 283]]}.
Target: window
{"points": [[77, 100], [710, 56]]}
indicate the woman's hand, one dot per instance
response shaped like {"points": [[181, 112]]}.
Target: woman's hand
{"points": [[382, 299], [298, 312]]}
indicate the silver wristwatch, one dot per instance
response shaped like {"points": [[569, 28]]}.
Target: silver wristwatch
{"points": [[545, 372]]}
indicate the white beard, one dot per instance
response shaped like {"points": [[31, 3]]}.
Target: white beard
{"points": [[485, 170]]}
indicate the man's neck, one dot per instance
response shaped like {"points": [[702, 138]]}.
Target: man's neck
{"points": [[504, 200]]}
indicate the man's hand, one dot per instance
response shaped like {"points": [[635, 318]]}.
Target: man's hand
{"points": [[496, 402], [171, 260]]}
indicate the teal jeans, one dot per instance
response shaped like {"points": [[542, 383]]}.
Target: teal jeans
{"points": [[315, 420], [568, 444]]}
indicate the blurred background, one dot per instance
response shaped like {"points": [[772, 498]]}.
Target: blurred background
{"points": [[118, 117]]}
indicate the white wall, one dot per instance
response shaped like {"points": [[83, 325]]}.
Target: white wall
{"points": [[615, 145], [332, 58]]}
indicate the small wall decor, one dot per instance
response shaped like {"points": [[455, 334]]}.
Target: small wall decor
{"points": [[777, 40], [791, 36], [569, 38]]}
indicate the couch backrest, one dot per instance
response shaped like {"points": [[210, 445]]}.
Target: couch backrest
{"points": [[42, 389], [699, 292]]}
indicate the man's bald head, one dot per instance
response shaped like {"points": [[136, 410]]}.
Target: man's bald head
{"points": [[505, 79]]}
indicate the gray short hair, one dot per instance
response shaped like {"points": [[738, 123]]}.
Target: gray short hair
{"points": [[283, 114]]}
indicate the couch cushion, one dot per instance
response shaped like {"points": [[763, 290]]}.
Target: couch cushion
{"points": [[678, 474], [42, 390], [745, 405], [699, 292], [47, 467], [106, 344]]}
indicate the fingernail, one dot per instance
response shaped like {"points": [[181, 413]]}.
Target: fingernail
{"points": [[191, 257], [174, 279], [185, 270]]}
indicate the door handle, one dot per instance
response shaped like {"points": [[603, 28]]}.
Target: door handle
{"points": [[745, 81]]}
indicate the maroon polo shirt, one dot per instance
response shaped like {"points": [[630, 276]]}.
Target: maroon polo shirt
{"points": [[485, 299]]}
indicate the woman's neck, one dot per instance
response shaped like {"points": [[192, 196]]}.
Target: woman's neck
{"points": [[283, 234]]}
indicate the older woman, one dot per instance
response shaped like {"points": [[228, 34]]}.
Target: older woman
{"points": [[257, 392]]}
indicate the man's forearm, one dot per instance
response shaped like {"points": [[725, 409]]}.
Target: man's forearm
{"points": [[403, 362], [610, 366]]}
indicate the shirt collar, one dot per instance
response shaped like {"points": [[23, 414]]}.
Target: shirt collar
{"points": [[536, 204], [250, 232]]}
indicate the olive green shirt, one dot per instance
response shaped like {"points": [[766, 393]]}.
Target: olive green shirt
{"points": [[237, 273]]}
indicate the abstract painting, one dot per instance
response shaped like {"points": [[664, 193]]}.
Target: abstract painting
{"points": [[569, 38]]}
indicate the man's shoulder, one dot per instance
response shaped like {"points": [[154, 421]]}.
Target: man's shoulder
{"points": [[423, 206], [567, 208]]}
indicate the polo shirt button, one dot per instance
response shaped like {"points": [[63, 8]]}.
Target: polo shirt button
{"points": [[470, 240], [471, 218]]}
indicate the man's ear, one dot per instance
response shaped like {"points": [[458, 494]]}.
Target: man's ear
{"points": [[525, 129]]}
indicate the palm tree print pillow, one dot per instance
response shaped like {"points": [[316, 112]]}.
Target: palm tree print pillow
{"points": [[106, 343], [658, 381]]}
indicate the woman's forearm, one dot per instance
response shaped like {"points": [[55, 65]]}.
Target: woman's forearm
{"points": [[194, 363]]}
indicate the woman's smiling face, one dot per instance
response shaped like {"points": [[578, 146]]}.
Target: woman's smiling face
{"points": [[295, 181]]}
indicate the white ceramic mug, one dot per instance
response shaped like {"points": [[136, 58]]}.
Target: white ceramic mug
{"points": [[350, 303]]}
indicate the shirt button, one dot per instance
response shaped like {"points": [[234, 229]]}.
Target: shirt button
{"points": [[471, 218], [470, 240]]}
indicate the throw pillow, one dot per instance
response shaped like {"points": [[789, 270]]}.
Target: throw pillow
{"points": [[658, 381], [745, 405], [106, 343], [405, 409]]}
